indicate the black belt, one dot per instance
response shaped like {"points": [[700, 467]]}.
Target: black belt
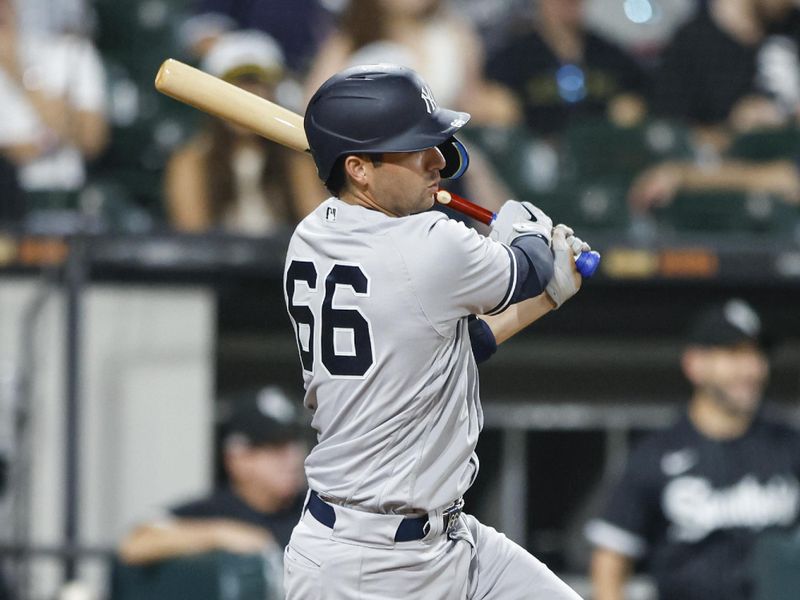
{"points": [[410, 528]]}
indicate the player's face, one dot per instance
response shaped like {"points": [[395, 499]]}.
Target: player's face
{"points": [[405, 182], [275, 472], [734, 376]]}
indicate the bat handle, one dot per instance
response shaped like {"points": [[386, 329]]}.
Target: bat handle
{"points": [[585, 262]]}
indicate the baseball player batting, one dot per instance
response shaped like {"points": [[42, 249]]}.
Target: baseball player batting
{"points": [[393, 308]]}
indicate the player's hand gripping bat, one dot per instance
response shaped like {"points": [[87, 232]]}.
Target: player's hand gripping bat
{"points": [[585, 262], [222, 99]]}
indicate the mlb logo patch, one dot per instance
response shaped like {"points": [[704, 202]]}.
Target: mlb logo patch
{"points": [[330, 214]]}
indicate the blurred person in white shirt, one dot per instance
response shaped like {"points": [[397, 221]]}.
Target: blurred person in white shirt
{"points": [[53, 92]]}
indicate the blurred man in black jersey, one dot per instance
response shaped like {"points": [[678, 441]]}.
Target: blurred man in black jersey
{"points": [[264, 447], [694, 498]]}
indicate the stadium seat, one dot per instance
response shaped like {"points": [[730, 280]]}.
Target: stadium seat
{"points": [[101, 206], [145, 128], [599, 151], [211, 576], [586, 207], [776, 566], [140, 35], [526, 163], [727, 211], [767, 144], [532, 168]]}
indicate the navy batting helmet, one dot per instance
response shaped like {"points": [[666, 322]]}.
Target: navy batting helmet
{"points": [[372, 109]]}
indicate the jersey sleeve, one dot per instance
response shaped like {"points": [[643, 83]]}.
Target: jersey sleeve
{"points": [[455, 271], [625, 524]]}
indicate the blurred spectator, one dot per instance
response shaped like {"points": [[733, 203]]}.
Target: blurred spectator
{"points": [[56, 16], [427, 36], [643, 27], [561, 71], [658, 185], [710, 70], [694, 498], [297, 25], [492, 20], [227, 177], [431, 38], [264, 448], [52, 89]]}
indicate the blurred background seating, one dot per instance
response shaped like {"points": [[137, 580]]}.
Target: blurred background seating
{"points": [[212, 576]]}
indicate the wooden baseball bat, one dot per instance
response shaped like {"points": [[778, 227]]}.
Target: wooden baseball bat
{"points": [[276, 123], [222, 99]]}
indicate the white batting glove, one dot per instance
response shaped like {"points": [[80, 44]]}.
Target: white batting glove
{"points": [[517, 219], [566, 279], [574, 242]]}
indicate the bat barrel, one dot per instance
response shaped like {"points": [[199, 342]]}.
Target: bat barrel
{"points": [[222, 99]]}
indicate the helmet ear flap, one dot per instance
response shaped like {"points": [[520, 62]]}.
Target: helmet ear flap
{"points": [[456, 158]]}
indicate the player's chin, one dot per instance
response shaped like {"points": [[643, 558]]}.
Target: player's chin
{"points": [[429, 199], [426, 201]]}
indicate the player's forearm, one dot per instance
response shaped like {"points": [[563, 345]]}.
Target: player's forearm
{"points": [[610, 572], [518, 316]]}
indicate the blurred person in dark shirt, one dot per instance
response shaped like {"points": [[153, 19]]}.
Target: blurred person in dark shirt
{"points": [[264, 448], [297, 25], [709, 74], [732, 70], [561, 71]]}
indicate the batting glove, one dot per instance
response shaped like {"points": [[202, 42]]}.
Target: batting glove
{"points": [[566, 280], [517, 219]]}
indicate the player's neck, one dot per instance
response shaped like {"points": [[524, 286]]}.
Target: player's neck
{"points": [[714, 421], [359, 198]]}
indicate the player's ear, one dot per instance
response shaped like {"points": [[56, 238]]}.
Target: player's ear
{"points": [[355, 167]]}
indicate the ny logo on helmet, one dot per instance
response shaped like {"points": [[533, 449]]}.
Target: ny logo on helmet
{"points": [[427, 96]]}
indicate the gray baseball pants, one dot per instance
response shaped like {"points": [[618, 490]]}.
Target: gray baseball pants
{"points": [[359, 560]]}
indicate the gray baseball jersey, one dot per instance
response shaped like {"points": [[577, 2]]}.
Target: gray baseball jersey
{"points": [[380, 306]]}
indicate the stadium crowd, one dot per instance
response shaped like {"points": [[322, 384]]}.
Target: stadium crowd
{"points": [[707, 105]]}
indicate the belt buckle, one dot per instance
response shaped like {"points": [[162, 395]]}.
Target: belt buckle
{"points": [[451, 515]]}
